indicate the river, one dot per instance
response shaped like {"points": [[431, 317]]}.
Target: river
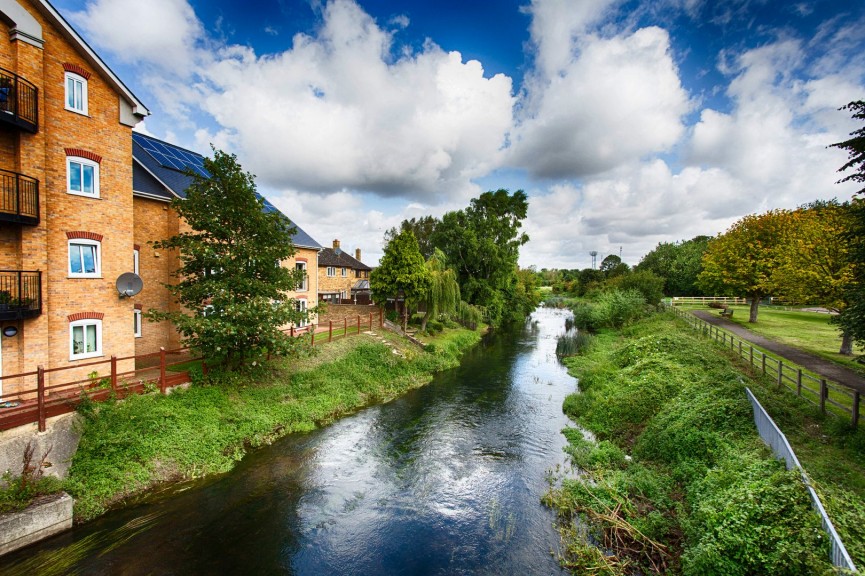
{"points": [[446, 479]]}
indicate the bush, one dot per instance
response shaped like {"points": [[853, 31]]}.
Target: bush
{"points": [[647, 283], [573, 344], [716, 304], [469, 316], [611, 309]]}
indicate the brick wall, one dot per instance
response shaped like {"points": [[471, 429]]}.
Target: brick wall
{"points": [[337, 312]]}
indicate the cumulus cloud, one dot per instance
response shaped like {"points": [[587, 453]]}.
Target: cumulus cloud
{"points": [[593, 101]]}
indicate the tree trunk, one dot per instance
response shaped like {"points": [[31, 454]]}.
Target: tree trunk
{"points": [[424, 321], [755, 305], [846, 344]]}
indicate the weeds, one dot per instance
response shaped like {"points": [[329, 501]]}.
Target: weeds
{"points": [[20, 492]]}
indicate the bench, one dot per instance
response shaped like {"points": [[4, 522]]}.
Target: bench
{"points": [[727, 312]]}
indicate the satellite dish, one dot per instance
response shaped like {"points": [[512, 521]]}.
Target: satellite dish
{"points": [[129, 284]]}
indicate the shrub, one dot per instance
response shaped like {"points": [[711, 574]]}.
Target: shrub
{"points": [[647, 283], [716, 304], [469, 316], [573, 344], [611, 309]]}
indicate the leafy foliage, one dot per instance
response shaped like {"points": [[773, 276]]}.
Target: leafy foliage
{"points": [[610, 309], [423, 229], [401, 272], [482, 243], [678, 263], [647, 283], [443, 295], [742, 261], [231, 289]]}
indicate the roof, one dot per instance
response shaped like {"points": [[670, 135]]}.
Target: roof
{"points": [[158, 172], [340, 259], [34, 36], [360, 286]]}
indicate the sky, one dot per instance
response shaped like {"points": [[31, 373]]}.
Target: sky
{"points": [[627, 123]]}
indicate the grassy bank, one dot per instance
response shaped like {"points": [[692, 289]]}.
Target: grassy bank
{"points": [[130, 446], [678, 480]]}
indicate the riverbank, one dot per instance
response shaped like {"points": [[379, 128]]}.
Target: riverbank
{"points": [[131, 446], [678, 480]]}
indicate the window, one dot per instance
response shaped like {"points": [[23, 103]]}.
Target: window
{"points": [[343, 272], [301, 307], [85, 339], [331, 271], [76, 93], [82, 177], [84, 259], [304, 284], [136, 323], [136, 256]]}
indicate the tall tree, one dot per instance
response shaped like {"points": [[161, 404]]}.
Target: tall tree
{"points": [[814, 265], [443, 295], [231, 287], [741, 261], [678, 263], [852, 320], [401, 272], [482, 243]]}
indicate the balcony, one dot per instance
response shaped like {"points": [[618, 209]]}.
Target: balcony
{"points": [[19, 198], [20, 294], [19, 102]]}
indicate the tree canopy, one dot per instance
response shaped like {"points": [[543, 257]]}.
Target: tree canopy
{"points": [[231, 288], [741, 261], [482, 243], [401, 272], [678, 263], [423, 229]]}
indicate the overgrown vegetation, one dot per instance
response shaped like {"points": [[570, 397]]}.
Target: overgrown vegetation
{"points": [[678, 480], [132, 445], [573, 344], [609, 309], [16, 493]]}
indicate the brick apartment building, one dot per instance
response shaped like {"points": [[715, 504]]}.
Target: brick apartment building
{"points": [[80, 198], [341, 276], [66, 218]]}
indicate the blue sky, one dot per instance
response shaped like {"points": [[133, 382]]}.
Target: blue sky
{"points": [[627, 123]]}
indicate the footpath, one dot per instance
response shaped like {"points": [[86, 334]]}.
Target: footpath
{"points": [[813, 363]]}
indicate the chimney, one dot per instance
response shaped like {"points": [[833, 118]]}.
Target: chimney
{"points": [[357, 254], [335, 244]]}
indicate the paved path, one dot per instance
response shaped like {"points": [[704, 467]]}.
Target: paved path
{"points": [[813, 363]]}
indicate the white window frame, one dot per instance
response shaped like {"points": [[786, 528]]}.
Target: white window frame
{"points": [[98, 262], [83, 162], [331, 271], [84, 324], [301, 307], [136, 323], [81, 81], [304, 284], [136, 261]]}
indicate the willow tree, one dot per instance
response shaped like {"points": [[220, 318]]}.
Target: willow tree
{"points": [[443, 296]]}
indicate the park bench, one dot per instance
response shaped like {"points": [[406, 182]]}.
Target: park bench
{"points": [[727, 312]]}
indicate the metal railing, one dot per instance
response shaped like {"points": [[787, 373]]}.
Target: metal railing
{"points": [[772, 435], [828, 396], [19, 101], [19, 198], [20, 294]]}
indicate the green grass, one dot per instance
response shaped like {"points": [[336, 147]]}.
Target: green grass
{"points": [[809, 331], [700, 494], [130, 446]]}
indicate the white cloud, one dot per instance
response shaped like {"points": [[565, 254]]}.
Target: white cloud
{"points": [[594, 102]]}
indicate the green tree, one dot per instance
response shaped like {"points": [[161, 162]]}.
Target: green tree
{"points": [[678, 263], [482, 243], [231, 288], [814, 265], [443, 296], [647, 283], [741, 261], [401, 272], [423, 229], [852, 320]]}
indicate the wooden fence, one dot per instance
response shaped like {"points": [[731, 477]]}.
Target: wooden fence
{"points": [[705, 300], [37, 401], [825, 394]]}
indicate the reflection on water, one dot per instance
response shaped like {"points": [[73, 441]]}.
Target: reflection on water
{"points": [[445, 480]]}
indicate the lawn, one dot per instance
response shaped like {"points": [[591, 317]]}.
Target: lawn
{"points": [[809, 331]]}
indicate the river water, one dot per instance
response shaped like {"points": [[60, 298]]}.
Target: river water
{"points": [[444, 480]]}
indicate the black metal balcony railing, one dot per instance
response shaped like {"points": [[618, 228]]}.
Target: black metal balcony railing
{"points": [[20, 294], [19, 198], [19, 101]]}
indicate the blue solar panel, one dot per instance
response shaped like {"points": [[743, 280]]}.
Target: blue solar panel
{"points": [[171, 156]]}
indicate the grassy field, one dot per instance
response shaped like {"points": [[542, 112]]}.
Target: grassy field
{"points": [[678, 480], [809, 331], [130, 446]]}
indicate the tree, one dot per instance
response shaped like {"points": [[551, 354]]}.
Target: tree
{"points": [[231, 287], [852, 320], [814, 265], [646, 282], [678, 263], [482, 243], [443, 295], [741, 261], [401, 272], [423, 229]]}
